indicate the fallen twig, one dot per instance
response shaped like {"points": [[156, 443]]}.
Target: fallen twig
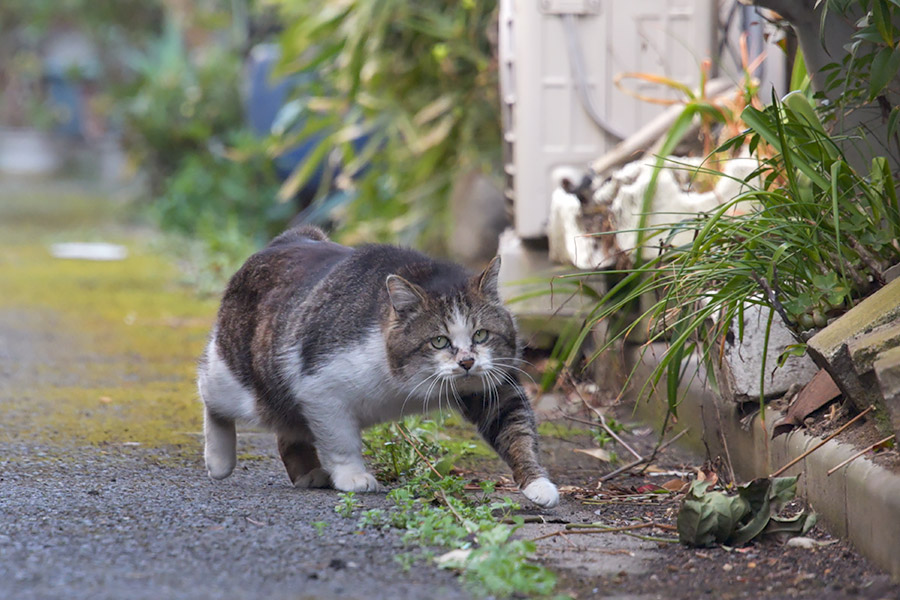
{"points": [[416, 448], [524, 519], [658, 500], [621, 527], [636, 463], [580, 420], [609, 430], [834, 434], [860, 453], [589, 529], [600, 416]]}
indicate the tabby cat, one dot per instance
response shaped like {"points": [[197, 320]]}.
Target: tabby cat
{"points": [[316, 341]]}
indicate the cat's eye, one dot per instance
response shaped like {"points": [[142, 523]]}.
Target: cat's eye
{"points": [[480, 336], [440, 342]]}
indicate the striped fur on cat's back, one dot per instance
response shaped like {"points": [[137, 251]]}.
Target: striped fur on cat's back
{"points": [[316, 341]]}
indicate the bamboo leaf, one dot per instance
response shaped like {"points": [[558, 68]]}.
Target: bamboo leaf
{"points": [[884, 69], [881, 15]]}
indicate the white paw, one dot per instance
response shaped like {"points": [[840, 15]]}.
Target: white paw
{"points": [[542, 492], [350, 480], [317, 478], [219, 467]]}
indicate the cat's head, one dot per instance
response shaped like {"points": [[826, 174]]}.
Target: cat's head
{"points": [[457, 335]]}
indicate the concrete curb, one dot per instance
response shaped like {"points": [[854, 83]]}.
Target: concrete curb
{"points": [[859, 502]]}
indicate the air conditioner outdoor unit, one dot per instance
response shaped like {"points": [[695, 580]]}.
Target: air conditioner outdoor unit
{"points": [[558, 61]]}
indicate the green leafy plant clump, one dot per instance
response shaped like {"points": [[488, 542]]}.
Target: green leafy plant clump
{"points": [[434, 510], [209, 178]]}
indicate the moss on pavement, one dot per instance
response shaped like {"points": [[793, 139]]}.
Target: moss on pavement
{"points": [[121, 338]]}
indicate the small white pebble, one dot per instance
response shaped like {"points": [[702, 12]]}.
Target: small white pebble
{"points": [[802, 542]]}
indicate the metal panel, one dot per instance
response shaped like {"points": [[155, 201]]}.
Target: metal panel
{"points": [[547, 124]]}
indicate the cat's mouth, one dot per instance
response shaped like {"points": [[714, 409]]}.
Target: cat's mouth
{"points": [[473, 373], [471, 381]]}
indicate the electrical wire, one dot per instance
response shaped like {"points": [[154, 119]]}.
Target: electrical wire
{"points": [[580, 78]]}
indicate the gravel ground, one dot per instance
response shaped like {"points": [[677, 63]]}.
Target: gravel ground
{"points": [[117, 525]]}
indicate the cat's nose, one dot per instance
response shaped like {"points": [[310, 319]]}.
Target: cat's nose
{"points": [[466, 363]]}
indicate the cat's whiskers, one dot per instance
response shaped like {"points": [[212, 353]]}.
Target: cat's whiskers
{"points": [[507, 377], [515, 359], [417, 386], [456, 396], [501, 362], [493, 392], [435, 379], [440, 393]]}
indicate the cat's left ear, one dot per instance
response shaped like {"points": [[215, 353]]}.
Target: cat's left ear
{"points": [[487, 281], [405, 296]]}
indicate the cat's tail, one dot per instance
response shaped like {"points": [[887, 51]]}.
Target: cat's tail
{"points": [[309, 232]]}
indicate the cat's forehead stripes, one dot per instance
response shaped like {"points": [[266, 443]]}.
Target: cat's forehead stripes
{"points": [[458, 328]]}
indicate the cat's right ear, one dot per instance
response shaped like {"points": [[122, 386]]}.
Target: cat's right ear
{"points": [[405, 296]]}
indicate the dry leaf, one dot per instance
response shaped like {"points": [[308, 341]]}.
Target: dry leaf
{"points": [[598, 453], [704, 474], [651, 469], [675, 485], [454, 559], [820, 390]]}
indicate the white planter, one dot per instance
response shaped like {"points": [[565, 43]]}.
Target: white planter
{"points": [[28, 152]]}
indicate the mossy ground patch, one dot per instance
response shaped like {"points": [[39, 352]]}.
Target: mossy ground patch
{"points": [[120, 339]]}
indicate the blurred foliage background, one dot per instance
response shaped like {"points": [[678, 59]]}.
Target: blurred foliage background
{"points": [[384, 106]]}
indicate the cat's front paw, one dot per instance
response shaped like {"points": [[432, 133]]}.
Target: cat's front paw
{"points": [[542, 492], [348, 480], [317, 478]]}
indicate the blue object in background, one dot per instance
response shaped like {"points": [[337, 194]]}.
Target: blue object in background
{"points": [[66, 99], [265, 97], [71, 64]]}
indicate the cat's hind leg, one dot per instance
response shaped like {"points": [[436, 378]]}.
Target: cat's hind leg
{"points": [[302, 462], [220, 451], [225, 400]]}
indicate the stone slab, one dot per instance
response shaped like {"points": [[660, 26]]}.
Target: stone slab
{"points": [[878, 309], [865, 349], [830, 347], [887, 372], [740, 373]]}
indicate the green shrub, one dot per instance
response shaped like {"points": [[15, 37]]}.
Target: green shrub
{"points": [[816, 237], [420, 80], [179, 104]]}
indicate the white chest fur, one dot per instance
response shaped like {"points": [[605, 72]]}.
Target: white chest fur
{"points": [[356, 382]]}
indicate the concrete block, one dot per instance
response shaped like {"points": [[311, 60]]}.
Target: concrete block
{"points": [[887, 372], [739, 375], [525, 272], [783, 449], [829, 348], [866, 348], [873, 514], [828, 494]]}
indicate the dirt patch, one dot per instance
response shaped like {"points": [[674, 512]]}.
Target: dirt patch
{"points": [[863, 434], [590, 566]]}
